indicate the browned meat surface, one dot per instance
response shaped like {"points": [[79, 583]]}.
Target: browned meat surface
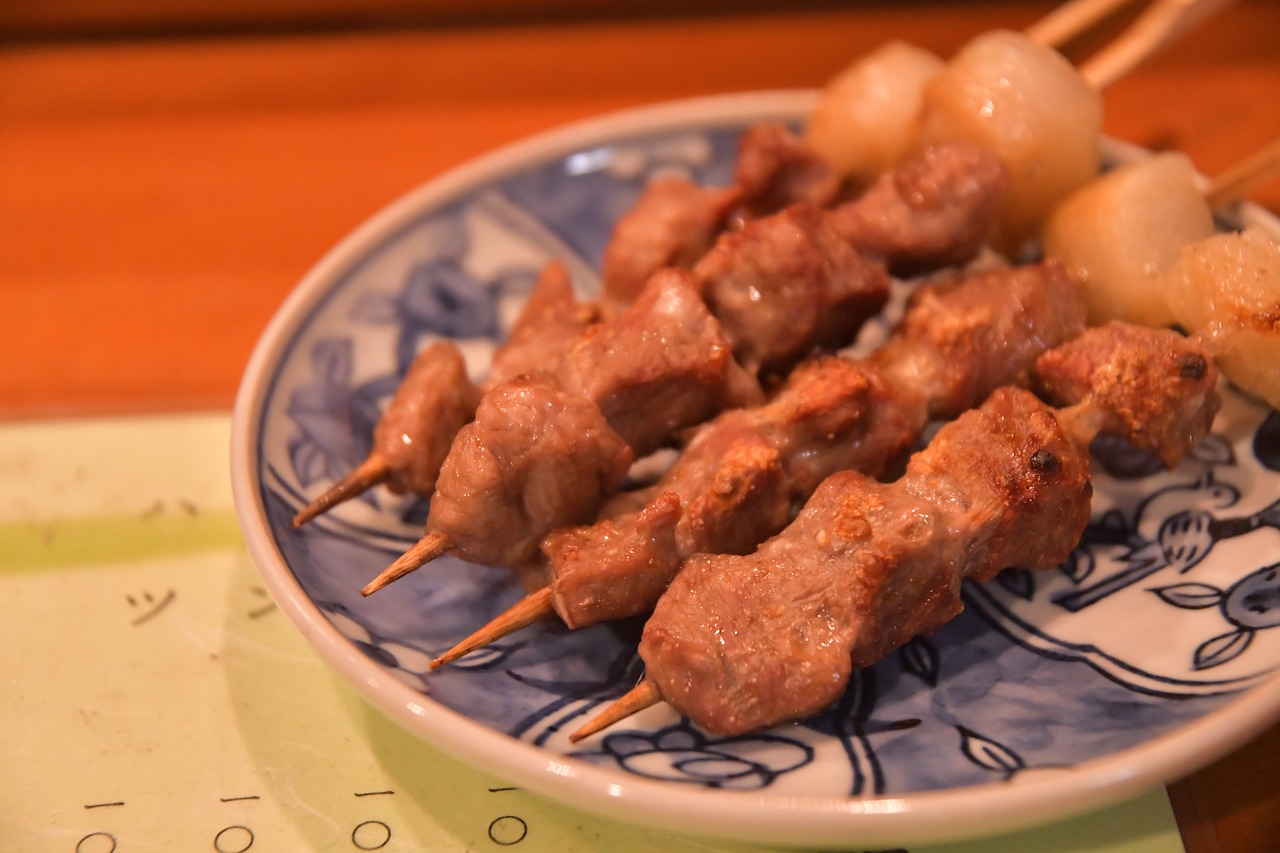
{"points": [[743, 473], [775, 169], [549, 321], [615, 565], [536, 457], [545, 450], [672, 224], [737, 482], [787, 285], [835, 413], [660, 367], [740, 643], [931, 212], [744, 642], [619, 566], [1152, 387], [980, 332], [433, 402]]}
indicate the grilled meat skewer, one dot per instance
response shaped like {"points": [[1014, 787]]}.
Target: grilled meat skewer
{"points": [[738, 480], [931, 211], [436, 398], [792, 264], [546, 448], [783, 285], [739, 643]]}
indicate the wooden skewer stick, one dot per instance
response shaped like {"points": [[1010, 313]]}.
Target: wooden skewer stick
{"points": [[422, 552], [1235, 182], [634, 701], [1071, 19], [525, 612], [1162, 24], [363, 477]]}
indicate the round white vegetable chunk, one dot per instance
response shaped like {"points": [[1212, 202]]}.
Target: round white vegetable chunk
{"points": [[1119, 234], [1226, 288], [1028, 105], [865, 119]]}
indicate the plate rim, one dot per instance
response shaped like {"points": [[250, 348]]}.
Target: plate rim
{"points": [[924, 817]]}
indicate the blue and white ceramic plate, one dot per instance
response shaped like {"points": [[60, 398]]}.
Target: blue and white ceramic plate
{"points": [[1151, 652]]}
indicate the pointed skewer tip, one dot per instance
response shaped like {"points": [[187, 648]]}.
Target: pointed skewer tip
{"points": [[534, 606], [369, 473], [636, 700], [422, 552]]}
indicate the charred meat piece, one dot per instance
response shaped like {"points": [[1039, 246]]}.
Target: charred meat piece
{"points": [[535, 456], [931, 212], [433, 402], [545, 450], [1139, 380], [743, 474], [744, 642], [436, 398], [787, 285], [548, 322], [672, 224], [979, 332], [740, 643], [603, 568], [660, 367], [595, 570], [776, 169]]}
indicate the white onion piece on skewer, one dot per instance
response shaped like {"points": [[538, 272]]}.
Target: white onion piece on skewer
{"points": [[1030, 106], [865, 120], [1120, 233], [1226, 289]]}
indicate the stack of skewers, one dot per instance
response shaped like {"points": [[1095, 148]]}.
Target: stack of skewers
{"points": [[794, 538]]}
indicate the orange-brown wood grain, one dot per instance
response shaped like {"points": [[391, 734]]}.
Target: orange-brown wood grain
{"points": [[159, 197]]}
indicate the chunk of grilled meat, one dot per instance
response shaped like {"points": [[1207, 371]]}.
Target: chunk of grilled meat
{"points": [[436, 397], [740, 643], [741, 476], [930, 212], [545, 449]]}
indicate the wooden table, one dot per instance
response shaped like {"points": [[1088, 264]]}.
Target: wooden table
{"points": [[161, 192]]}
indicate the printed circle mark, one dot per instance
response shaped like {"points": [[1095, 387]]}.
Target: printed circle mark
{"points": [[508, 830], [233, 839], [371, 835], [89, 845]]}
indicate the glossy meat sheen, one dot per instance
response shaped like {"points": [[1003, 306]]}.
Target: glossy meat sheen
{"points": [[776, 169], [619, 566], [662, 366], [741, 475], [930, 212], [672, 224], [786, 286], [961, 340], [434, 400], [1151, 387], [536, 457], [604, 567], [550, 320], [740, 643]]}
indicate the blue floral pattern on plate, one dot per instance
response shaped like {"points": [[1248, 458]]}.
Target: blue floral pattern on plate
{"points": [[1043, 671]]}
